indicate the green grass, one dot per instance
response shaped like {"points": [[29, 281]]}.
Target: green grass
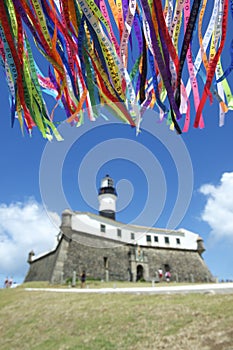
{"points": [[102, 284], [42, 321]]}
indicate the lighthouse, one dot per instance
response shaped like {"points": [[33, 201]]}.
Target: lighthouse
{"points": [[107, 198]]}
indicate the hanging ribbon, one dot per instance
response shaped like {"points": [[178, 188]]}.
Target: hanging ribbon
{"points": [[129, 54]]}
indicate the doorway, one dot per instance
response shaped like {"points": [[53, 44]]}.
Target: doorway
{"points": [[139, 272]]}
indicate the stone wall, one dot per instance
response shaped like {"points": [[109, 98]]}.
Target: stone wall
{"points": [[41, 269], [109, 259], [184, 265], [89, 254], [97, 257], [61, 258]]}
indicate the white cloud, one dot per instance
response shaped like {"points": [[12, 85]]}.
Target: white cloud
{"points": [[23, 227], [218, 211]]}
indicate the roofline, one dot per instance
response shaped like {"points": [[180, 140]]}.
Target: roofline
{"points": [[123, 243], [43, 255], [119, 223]]}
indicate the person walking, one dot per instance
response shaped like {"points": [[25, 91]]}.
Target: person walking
{"points": [[168, 276]]}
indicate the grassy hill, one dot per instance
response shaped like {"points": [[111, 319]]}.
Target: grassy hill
{"points": [[59, 321]]}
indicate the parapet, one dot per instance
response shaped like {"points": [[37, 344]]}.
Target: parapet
{"points": [[66, 218], [200, 245]]}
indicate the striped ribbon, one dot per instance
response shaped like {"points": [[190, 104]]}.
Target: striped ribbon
{"points": [[129, 54]]}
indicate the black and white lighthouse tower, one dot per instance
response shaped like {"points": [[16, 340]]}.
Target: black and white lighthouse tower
{"points": [[107, 198]]}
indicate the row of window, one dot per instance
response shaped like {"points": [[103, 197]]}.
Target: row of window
{"points": [[156, 239], [103, 229], [148, 237]]}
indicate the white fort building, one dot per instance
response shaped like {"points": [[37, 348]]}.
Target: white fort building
{"points": [[111, 250]]}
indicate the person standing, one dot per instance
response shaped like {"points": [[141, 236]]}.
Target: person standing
{"points": [[6, 283], [83, 279], [168, 276], [160, 271], [10, 282]]}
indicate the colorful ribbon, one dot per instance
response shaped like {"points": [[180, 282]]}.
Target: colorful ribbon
{"points": [[129, 54]]}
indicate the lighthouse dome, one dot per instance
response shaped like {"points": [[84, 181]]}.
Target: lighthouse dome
{"points": [[107, 186]]}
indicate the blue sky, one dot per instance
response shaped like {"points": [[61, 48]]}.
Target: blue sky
{"points": [[148, 177]]}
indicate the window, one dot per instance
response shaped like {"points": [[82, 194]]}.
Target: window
{"points": [[148, 238], [110, 182], [102, 228], [132, 235], [118, 232], [156, 238], [166, 239], [177, 241]]}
